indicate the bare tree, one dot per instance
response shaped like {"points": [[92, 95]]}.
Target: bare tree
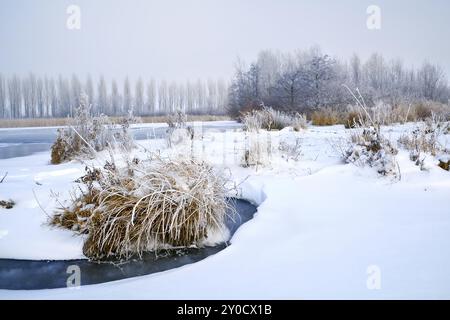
{"points": [[53, 98], [127, 98], [190, 97], [139, 97], [63, 108], [89, 90], [115, 98], [212, 96], [432, 81], [222, 96], [75, 93], [151, 97], [40, 97], [3, 107], [15, 96], [355, 67], [102, 97], [27, 97], [163, 102], [200, 97]]}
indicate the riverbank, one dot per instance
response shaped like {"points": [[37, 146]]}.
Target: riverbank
{"points": [[59, 122]]}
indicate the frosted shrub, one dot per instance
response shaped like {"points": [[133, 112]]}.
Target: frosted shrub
{"points": [[177, 120], [290, 150], [280, 120], [424, 139], [299, 122], [255, 120], [369, 148], [124, 135], [257, 150], [85, 135], [270, 119], [382, 113], [178, 132]]}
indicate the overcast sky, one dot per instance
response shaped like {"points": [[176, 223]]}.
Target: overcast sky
{"points": [[181, 39]]}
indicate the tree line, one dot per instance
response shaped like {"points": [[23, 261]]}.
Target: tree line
{"points": [[36, 97], [300, 81], [307, 80]]}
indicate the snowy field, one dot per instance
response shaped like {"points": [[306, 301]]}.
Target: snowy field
{"points": [[321, 229]]}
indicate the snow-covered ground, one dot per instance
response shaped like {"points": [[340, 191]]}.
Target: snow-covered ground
{"points": [[324, 229]]}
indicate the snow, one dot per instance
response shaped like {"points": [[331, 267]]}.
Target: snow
{"points": [[321, 226]]}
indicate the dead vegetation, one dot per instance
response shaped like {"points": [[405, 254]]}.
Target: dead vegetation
{"points": [[290, 150], [325, 117], [58, 122], [270, 119], [444, 164], [7, 204], [257, 149], [367, 146], [86, 135], [4, 177], [424, 140], [381, 113], [146, 206], [179, 131]]}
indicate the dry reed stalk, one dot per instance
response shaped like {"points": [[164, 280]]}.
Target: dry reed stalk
{"points": [[147, 207]]}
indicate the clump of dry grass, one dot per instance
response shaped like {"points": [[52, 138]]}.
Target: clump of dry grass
{"points": [[278, 120], [325, 117], [444, 164], [254, 121], [270, 119], [146, 206], [29, 122], [352, 119], [7, 204]]}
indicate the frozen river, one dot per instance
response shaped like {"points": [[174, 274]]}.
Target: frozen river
{"points": [[19, 142]]}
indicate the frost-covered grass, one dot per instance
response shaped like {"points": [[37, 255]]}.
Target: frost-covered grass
{"points": [[271, 119], [368, 147], [146, 206], [321, 225]]}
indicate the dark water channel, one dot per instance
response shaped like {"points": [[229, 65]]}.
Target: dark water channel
{"points": [[31, 275]]}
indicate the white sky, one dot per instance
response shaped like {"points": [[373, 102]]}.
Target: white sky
{"points": [[181, 39]]}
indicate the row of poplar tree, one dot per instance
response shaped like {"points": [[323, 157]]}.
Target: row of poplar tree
{"points": [[31, 96]]}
